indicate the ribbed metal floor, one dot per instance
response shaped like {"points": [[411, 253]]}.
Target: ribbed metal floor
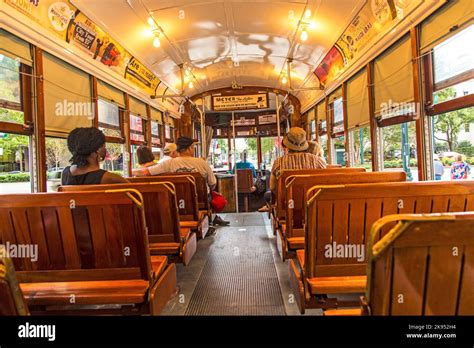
{"points": [[239, 277]]}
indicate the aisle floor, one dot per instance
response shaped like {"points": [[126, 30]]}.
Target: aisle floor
{"points": [[236, 272]]}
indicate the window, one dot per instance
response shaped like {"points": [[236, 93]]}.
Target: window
{"points": [[15, 171], [249, 144], [137, 129], [361, 147], [219, 154], [10, 91], [453, 67], [323, 141], [109, 118], [338, 117], [450, 141], [155, 134], [113, 161], [312, 129], [168, 133], [57, 158], [269, 151], [399, 149], [339, 150]]}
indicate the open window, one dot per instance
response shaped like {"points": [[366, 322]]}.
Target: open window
{"points": [[16, 174]]}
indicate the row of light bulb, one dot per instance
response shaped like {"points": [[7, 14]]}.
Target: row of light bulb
{"points": [[304, 33], [157, 43], [303, 37], [155, 31]]}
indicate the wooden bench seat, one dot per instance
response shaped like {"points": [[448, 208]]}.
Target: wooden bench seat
{"points": [[423, 266], [186, 195], [93, 250], [201, 189], [86, 293], [279, 201], [166, 235], [12, 300], [342, 216], [295, 188]]}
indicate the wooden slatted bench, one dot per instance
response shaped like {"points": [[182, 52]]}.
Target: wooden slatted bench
{"points": [[423, 266], [201, 189], [165, 235], [291, 233], [278, 208], [92, 250], [186, 195], [12, 301], [338, 222]]}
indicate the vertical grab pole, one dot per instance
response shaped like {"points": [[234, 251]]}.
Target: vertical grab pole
{"points": [[278, 125], [204, 154], [235, 166]]}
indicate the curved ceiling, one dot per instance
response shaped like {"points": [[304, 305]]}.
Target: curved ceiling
{"points": [[226, 41]]}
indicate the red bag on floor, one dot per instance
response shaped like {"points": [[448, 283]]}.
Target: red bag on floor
{"points": [[218, 202]]}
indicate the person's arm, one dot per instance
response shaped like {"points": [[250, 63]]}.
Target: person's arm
{"points": [[112, 178], [211, 178]]}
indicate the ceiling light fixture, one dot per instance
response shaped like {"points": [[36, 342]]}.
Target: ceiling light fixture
{"points": [[304, 35], [190, 85], [151, 21], [156, 41], [307, 13], [283, 80]]}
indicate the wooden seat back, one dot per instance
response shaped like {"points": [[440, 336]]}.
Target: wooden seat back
{"points": [[160, 202], [244, 180], [339, 218], [280, 197], [185, 189], [12, 301], [201, 188], [80, 236], [296, 187], [423, 266]]}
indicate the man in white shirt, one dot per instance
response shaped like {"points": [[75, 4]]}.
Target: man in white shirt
{"points": [[186, 162], [169, 152]]}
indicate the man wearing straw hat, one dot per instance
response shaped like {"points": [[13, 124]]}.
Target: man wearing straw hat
{"points": [[296, 157]]}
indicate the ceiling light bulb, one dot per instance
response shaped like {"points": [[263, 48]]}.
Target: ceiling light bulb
{"points": [[156, 42], [190, 85], [148, 32], [307, 13], [283, 80], [151, 21], [304, 35]]}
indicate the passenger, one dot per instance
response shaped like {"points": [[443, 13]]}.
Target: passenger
{"points": [[186, 162], [87, 146], [244, 164], [459, 169], [316, 149], [296, 157], [146, 158], [438, 168], [169, 152]]}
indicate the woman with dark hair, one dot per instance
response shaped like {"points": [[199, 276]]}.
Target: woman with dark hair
{"points": [[146, 159], [87, 146]]}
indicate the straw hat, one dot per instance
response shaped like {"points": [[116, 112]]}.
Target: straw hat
{"points": [[169, 148], [296, 139]]}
